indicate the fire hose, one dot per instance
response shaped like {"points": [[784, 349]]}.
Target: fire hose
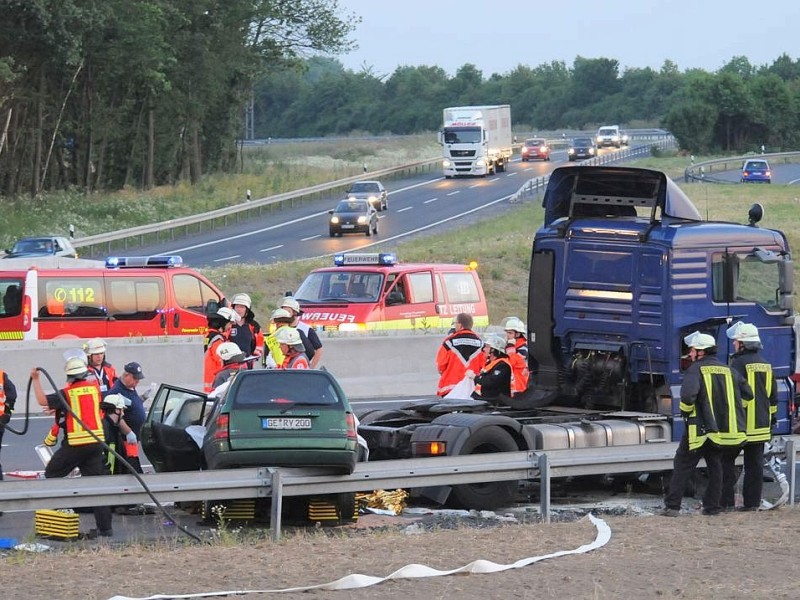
{"points": [[65, 406]]}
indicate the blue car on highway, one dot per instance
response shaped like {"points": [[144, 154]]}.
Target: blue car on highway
{"points": [[756, 171]]}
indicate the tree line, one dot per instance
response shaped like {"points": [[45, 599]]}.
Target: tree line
{"points": [[106, 94], [735, 109], [103, 94]]}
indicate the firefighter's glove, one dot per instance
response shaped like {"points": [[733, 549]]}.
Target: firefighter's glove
{"points": [[52, 436], [5, 418], [131, 438]]}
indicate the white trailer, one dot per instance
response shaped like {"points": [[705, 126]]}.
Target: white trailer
{"points": [[476, 140]]}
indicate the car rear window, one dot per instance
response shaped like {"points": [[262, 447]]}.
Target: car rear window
{"points": [[756, 165], [292, 387]]}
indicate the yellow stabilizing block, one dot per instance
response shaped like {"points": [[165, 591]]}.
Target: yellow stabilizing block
{"points": [[230, 510], [322, 510], [57, 523]]}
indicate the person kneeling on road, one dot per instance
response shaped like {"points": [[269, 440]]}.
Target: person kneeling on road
{"points": [[493, 383], [82, 446]]}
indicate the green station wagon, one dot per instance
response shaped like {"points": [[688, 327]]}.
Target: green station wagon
{"points": [[265, 418]]}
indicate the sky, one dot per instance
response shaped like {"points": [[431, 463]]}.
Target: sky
{"points": [[498, 36]]}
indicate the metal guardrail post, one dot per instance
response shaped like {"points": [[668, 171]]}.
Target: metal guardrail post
{"points": [[791, 462], [544, 487], [277, 505]]}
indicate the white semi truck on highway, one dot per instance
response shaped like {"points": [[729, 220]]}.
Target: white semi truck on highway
{"points": [[476, 140]]}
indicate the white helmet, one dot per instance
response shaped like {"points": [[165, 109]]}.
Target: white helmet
{"points": [[289, 302], [743, 332], [226, 313], [281, 313], [289, 336], [229, 351], [495, 341], [514, 324], [95, 346], [242, 299], [76, 365], [699, 341], [117, 401]]}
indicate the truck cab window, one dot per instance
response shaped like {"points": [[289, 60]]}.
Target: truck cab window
{"points": [[746, 278]]}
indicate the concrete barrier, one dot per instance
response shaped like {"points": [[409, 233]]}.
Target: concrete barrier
{"points": [[368, 367]]}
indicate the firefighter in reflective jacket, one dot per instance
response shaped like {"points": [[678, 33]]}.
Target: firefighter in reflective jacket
{"points": [[8, 397], [81, 447], [494, 382], [760, 409], [219, 324], [711, 404], [460, 351], [294, 356], [517, 350]]}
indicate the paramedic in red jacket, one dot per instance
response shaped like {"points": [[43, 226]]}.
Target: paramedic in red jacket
{"points": [[460, 351]]}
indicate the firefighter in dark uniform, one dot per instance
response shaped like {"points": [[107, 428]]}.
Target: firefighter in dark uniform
{"points": [[494, 382], [8, 396], [81, 447], [760, 409], [711, 404]]}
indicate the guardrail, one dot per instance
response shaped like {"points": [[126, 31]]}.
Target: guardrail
{"points": [[703, 171], [390, 474], [536, 186]]}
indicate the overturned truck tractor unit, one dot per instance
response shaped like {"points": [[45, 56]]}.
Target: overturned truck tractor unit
{"points": [[622, 269]]}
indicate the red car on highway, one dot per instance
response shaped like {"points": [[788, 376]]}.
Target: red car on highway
{"points": [[535, 148]]}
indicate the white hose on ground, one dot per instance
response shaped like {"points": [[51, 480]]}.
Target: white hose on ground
{"points": [[413, 571]]}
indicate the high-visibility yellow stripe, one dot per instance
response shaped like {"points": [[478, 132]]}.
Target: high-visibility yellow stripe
{"points": [[418, 324], [10, 335]]}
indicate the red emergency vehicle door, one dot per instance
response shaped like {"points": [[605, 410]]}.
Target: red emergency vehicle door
{"points": [[410, 301]]}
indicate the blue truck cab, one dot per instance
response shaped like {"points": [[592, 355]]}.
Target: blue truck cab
{"points": [[623, 268]]}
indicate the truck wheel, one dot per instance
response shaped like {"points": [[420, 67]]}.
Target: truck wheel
{"points": [[494, 494]]}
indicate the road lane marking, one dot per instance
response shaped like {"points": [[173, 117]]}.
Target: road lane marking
{"points": [[246, 234], [404, 209], [312, 237], [227, 258], [454, 193], [272, 248], [423, 228], [431, 200]]}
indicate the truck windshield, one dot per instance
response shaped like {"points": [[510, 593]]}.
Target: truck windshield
{"points": [[462, 135], [340, 285]]}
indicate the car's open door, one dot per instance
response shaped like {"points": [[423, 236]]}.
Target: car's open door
{"points": [[165, 439]]}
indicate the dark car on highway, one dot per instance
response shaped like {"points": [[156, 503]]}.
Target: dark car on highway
{"points": [[29, 247], [264, 418], [353, 216], [756, 171], [372, 191], [535, 148], [581, 148]]}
